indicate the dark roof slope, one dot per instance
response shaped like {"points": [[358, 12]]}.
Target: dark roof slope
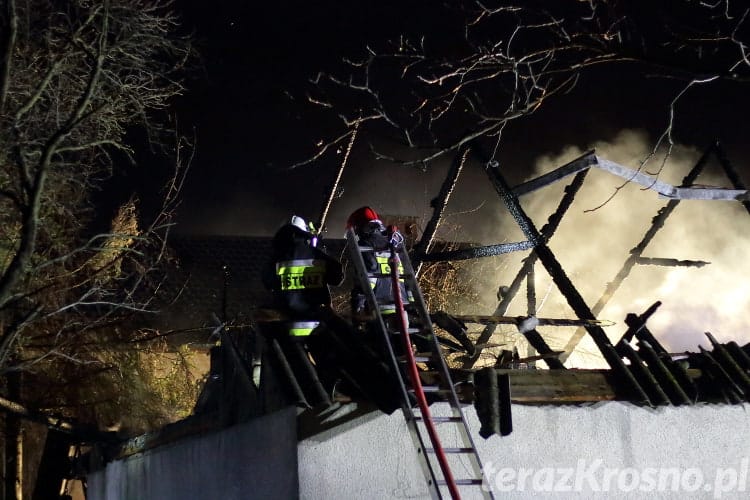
{"points": [[221, 275]]}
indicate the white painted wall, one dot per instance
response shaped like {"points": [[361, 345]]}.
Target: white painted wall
{"points": [[552, 448]]}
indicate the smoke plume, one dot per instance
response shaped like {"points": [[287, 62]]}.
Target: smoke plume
{"points": [[592, 245]]}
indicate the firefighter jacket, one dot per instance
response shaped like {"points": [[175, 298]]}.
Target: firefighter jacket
{"points": [[377, 265], [299, 275]]}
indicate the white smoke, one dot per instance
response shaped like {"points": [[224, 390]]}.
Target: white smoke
{"points": [[592, 246]]}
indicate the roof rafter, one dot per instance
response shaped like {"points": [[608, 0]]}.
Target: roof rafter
{"points": [[665, 190]]}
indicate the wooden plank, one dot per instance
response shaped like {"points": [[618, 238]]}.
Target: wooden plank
{"points": [[583, 162], [541, 386], [568, 386], [513, 320]]}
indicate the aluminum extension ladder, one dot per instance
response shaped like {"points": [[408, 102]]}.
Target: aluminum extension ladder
{"points": [[438, 461]]}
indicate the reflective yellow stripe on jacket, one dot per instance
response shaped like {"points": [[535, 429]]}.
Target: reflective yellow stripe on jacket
{"points": [[384, 267], [302, 328], [301, 274]]}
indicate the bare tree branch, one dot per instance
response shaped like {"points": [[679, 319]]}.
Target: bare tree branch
{"points": [[499, 63], [77, 79]]}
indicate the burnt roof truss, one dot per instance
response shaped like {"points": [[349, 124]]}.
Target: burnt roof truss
{"points": [[640, 382]]}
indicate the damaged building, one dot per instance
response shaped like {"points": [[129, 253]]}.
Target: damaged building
{"points": [[446, 422]]}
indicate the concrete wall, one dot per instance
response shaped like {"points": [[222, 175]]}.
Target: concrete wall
{"points": [[609, 450], [256, 459]]}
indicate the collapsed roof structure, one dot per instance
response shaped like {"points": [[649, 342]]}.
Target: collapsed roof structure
{"points": [[645, 374]]}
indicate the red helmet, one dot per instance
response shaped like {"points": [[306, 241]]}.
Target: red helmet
{"points": [[360, 217]]}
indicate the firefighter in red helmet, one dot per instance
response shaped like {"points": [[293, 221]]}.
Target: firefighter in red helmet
{"points": [[360, 217], [372, 233]]}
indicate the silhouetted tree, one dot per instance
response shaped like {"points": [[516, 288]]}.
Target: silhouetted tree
{"points": [[490, 62], [77, 78]]}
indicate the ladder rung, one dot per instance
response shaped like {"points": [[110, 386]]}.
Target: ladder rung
{"points": [[431, 388], [428, 388], [417, 358], [462, 482], [452, 450], [439, 419], [387, 275], [410, 330]]}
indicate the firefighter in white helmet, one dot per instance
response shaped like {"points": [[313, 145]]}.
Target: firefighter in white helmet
{"points": [[298, 275]]}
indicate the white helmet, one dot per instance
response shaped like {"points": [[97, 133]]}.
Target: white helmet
{"points": [[299, 223]]}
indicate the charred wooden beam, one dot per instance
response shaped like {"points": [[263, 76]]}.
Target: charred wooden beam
{"points": [[625, 383], [547, 231], [504, 402], [537, 357], [531, 293], [478, 252], [644, 376], [656, 224], [580, 164], [289, 378], [660, 261], [674, 390], [635, 323], [527, 327], [531, 311], [454, 327], [566, 287], [548, 355], [738, 354], [683, 378], [507, 359], [438, 206], [711, 387], [730, 366], [664, 189], [641, 331], [487, 402], [340, 347], [723, 382], [317, 393], [516, 320]]}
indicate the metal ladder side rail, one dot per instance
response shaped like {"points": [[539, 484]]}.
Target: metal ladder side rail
{"points": [[416, 382], [424, 317], [361, 275]]}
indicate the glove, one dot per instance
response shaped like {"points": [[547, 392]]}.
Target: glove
{"points": [[395, 237]]}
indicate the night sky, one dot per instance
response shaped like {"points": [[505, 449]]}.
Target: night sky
{"points": [[249, 106], [252, 121]]}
